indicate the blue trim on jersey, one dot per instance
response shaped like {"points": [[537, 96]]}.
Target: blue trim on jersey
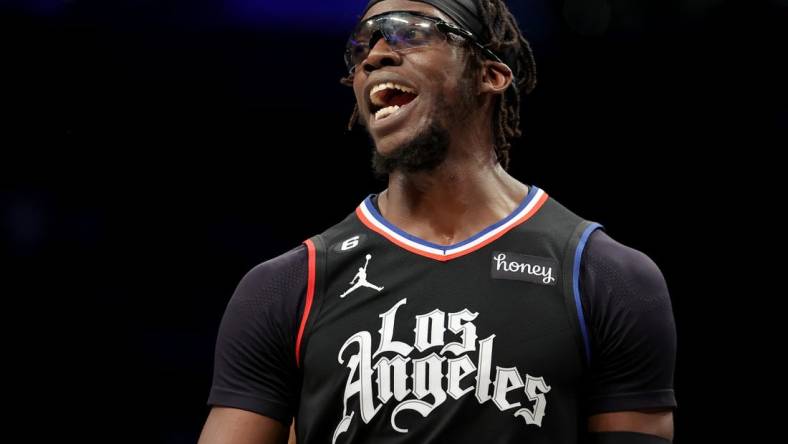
{"points": [[532, 190], [576, 286]]}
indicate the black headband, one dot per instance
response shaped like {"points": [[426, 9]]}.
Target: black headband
{"points": [[465, 13]]}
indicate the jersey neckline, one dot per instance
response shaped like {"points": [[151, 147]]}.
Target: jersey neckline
{"points": [[368, 214]]}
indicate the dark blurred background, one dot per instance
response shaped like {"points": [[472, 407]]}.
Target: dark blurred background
{"points": [[153, 151]]}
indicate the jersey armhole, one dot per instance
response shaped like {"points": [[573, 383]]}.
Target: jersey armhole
{"points": [[571, 266], [315, 251]]}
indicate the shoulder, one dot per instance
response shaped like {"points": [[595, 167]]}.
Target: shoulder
{"points": [[281, 270], [613, 267], [272, 292]]}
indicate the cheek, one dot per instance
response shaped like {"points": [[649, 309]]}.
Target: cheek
{"points": [[448, 91], [444, 73], [358, 91]]}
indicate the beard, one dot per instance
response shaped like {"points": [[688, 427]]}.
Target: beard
{"points": [[422, 153], [429, 148]]}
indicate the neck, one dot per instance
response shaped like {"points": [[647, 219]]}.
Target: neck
{"points": [[465, 194]]}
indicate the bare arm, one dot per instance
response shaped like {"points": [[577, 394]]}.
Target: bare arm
{"points": [[235, 426], [292, 439], [659, 423]]}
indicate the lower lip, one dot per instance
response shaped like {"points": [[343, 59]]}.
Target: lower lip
{"points": [[393, 119]]}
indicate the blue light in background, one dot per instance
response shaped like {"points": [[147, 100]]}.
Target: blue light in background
{"points": [[536, 17], [317, 15], [45, 7], [327, 16]]}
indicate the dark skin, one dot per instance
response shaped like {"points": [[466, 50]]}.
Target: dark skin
{"points": [[463, 195]]}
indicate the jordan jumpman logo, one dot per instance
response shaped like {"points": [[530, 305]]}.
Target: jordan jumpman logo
{"points": [[360, 279]]}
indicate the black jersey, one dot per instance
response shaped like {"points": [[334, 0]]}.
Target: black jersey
{"points": [[402, 340]]}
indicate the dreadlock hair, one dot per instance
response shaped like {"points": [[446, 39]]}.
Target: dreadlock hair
{"points": [[503, 36]]}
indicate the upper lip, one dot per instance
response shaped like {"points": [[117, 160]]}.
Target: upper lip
{"points": [[373, 81]]}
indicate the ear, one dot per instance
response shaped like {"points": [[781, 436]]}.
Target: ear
{"points": [[496, 77]]}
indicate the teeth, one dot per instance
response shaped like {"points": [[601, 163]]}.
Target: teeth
{"points": [[385, 86], [385, 112]]}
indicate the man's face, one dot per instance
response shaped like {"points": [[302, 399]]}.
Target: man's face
{"points": [[418, 132]]}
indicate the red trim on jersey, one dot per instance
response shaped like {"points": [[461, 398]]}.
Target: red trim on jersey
{"points": [[310, 294], [523, 218]]}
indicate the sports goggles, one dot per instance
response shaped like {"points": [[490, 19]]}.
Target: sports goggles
{"points": [[403, 30]]}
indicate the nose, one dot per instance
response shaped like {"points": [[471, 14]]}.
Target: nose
{"points": [[380, 55]]}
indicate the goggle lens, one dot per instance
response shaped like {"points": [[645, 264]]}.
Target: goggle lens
{"points": [[400, 30]]}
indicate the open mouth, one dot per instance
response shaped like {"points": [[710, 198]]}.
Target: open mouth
{"points": [[387, 98]]}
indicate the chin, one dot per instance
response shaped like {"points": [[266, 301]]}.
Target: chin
{"points": [[387, 144], [411, 152]]}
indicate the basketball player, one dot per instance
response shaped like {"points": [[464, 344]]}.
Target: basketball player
{"points": [[458, 305]]}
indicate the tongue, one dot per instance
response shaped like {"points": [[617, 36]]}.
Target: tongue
{"points": [[400, 98]]}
